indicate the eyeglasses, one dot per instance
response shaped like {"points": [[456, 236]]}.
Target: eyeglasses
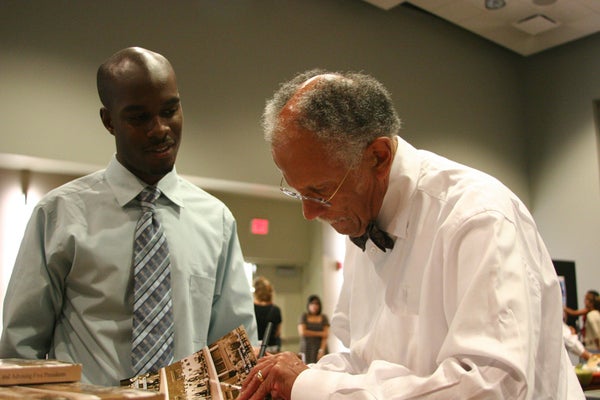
{"points": [[323, 202]]}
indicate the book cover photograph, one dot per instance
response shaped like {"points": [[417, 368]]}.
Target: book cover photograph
{"points": [[17, 371], [214, 372]]}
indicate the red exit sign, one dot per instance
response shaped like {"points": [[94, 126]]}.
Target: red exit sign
{"points": [[259, 226]]}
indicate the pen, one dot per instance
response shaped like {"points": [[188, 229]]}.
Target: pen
{"points": [[232, 386], [266, 339]]}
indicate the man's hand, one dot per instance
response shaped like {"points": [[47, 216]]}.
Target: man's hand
{"points": [[274, 375]]}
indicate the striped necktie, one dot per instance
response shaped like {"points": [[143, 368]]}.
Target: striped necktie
{"points": [[152, 346]]}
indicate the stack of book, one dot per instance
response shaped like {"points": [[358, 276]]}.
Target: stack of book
{"points": [[55, 379], [214, 372]]}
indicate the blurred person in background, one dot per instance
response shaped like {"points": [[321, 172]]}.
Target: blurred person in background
{"points": [[265, 312], [588, 305], [313, 328], [573, 344], [591, 338]]}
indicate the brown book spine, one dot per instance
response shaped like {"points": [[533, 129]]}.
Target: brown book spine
{"points": [[16, 371], [97, 392]]}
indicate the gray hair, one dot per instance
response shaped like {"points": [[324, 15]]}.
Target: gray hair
{"points": [[345, 111]]}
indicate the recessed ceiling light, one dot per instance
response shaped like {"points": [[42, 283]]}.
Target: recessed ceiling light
{"points": [[494, 4], [536, 24]]}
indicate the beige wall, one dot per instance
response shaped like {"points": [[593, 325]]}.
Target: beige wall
{"points": [[562, 88], [458, 95], [288, 241]]}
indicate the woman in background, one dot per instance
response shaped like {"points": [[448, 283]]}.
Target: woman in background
{"points": [[265, 312], [588, 301], [313, 328], [591, 339]]}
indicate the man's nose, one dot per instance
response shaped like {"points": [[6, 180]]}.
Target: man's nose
{"points": [[312, 210], [158, 126]]}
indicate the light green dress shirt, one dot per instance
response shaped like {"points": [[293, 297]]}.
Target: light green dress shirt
{"points": [[71, 292]]}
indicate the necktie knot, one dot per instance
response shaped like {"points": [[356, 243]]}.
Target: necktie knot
{"points": [[381, 238], [148, 196]]}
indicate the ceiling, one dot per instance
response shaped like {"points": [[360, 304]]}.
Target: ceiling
{"points": [[523, 26]]}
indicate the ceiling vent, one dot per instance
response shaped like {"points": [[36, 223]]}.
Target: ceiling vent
{"points": [[385, 4], [536, 24]]}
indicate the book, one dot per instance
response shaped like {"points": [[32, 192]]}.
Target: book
{"points": [[23, 392], [214, 372], [16, 371], [76, 391]]}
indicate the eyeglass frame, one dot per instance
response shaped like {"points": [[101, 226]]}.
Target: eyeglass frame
{"points": [[323, 202]]}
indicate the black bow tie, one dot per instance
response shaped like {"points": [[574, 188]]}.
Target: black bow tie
{"points": [[379, 237]]}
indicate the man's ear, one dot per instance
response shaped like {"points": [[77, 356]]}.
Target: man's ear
{"points": [[106, 120], [381, 155]]}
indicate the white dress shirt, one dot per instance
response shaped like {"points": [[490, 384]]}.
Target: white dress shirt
{"points": [[466, 306]]}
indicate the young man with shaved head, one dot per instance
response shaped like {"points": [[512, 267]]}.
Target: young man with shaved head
{"points": [[71, 295]]}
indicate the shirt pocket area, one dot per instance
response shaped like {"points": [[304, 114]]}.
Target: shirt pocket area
{"points": [[202, 289]]}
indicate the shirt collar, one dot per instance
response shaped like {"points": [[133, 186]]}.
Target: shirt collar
{"points": [[126, 185], [404, 174]]}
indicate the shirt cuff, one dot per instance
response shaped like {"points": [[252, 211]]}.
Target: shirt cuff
{"points": [[315, 384]]}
